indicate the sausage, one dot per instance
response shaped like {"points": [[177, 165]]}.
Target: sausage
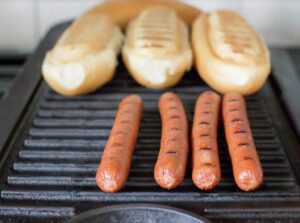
{"points": [[206, 172], [114, 168], [172, 158], [246, 165]]}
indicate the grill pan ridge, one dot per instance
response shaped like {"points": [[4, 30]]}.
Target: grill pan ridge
{"points": [[48, 168]]}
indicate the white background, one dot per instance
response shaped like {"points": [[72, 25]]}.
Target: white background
{"points": [[24, 22]]}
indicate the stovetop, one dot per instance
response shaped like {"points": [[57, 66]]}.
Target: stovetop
{"points": [[10, 67]]}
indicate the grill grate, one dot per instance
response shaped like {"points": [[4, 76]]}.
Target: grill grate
{"points": [[49, 171], [60, 148]]}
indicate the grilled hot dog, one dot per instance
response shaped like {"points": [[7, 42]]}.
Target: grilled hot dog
{"points": [[172, 159], [206, 173], [246, 165], [114, 168]]}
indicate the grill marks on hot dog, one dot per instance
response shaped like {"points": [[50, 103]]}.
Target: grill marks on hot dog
{"points": [[246, 165], [206, 173], [114, 168], [170, 167], [172, 159]]}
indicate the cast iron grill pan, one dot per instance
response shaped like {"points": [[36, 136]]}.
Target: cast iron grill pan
{"points": [[49, 169], [136, 213]]}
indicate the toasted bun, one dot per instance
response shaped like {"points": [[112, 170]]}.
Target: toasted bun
{"points": [[122, 11], [157, 51], [229, 54], [84, 58]]}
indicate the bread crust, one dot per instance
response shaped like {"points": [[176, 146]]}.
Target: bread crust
{"points": [[85, 56], [78, 65], [131, 8], [229, 55], [157, 51]]}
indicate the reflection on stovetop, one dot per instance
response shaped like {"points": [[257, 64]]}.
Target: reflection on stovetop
{"points": [[10, 66], [295, 55]]}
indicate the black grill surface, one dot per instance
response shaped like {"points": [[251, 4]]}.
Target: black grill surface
{"points": [[49, 163]]}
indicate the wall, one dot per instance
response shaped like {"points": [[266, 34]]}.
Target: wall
{"points": [[24, 22]]}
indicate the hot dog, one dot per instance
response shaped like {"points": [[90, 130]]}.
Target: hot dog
{"points": [[114, 168], [206, 173], [172, 159], [246, 165]]}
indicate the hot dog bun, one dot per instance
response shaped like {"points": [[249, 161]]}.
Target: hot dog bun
{"points": [[229, 54], [157, 51], [122, 11], [85, 56]]}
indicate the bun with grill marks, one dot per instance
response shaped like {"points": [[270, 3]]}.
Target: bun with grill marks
{"points": [[229, 54], [157, 52]]}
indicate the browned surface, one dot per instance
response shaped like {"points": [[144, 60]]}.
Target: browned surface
{"points": [[114, 168], [122, 11], [172, 159], [206, 173], [246, 165]]}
